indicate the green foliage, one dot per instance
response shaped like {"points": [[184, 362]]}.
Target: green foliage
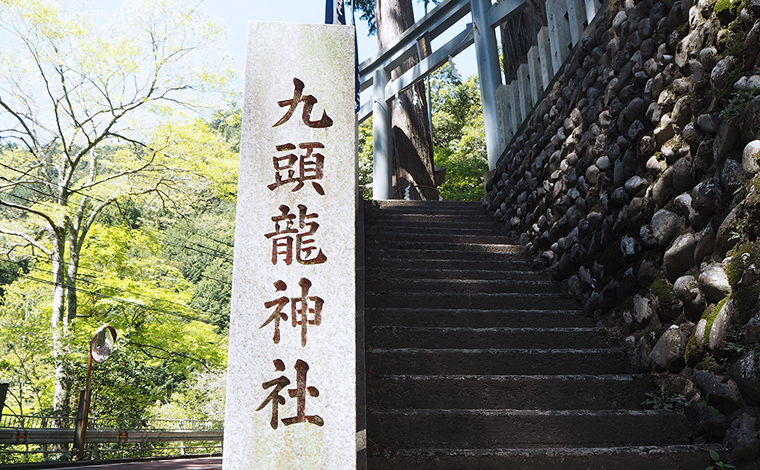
{"points": [[367, 10], [201, 248], [366, 158], [662, 400], [459, 135], [717, 462], [663, 290], [739, 100], [727, 5]]}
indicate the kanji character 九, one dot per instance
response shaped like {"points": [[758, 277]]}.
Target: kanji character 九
{"points": [[308, 104]]}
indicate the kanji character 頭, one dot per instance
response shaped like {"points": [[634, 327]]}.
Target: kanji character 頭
{"points": [[285, 234], [308, 104], [310, 167]]}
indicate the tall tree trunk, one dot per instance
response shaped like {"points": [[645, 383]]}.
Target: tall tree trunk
{"points": [[414, 173], [59, 322]]}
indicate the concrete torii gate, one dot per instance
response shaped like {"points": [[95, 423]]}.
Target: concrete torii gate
{"points": [[564, 18]]}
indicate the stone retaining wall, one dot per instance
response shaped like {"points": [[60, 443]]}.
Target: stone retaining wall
{"points": [[637, 180]]}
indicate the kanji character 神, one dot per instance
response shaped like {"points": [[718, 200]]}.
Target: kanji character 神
{"points": [[277, 315], [310, 167], [300, 310], [285, 234], [309, 101]]}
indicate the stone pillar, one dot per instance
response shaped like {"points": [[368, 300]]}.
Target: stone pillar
{"points": [[545, 57], [291, 377], [592, 6], [576, 15], [505, 119], [559, 32], [514, 104], [534, 73], [523, 81]]}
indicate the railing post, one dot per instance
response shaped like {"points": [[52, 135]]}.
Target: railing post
{"points": [[382, 169], [490, 76]]}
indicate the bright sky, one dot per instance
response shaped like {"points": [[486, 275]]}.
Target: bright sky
{"points": [[236, 14]]}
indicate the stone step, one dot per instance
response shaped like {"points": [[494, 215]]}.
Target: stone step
{"points": [[460, 286], [475, 300], [387, 238], [473, 261], [431, 247], [425, 361], [479, 338], [656, 457], [391, 272], [496, 317], [546, 392], [388, 227], [498, 428], [425, 207]]}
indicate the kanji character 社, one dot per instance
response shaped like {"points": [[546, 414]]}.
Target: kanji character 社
{"points": [[299, 393], [274, 396]]}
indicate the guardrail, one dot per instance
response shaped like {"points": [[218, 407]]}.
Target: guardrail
{"points": [[28, 435]]}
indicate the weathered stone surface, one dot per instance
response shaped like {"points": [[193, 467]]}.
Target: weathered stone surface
{"points": [[714, 282], [749, 123], [742, 439], [635, 184], [705, 244], [720, 325], [719, 388], [751, 331], [750, 157], [642, 309], [707, 124], [724, 238], [662, 189], [322, 57], [666, 225], [655, 165], [686, 289], [732, 175], [679, 258], [725, 140], [668, 352], [721, 73], [746, 372], [683, 175], [707, 197]]}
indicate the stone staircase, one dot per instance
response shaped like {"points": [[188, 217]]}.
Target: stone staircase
{"points": [[476, 360]]}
